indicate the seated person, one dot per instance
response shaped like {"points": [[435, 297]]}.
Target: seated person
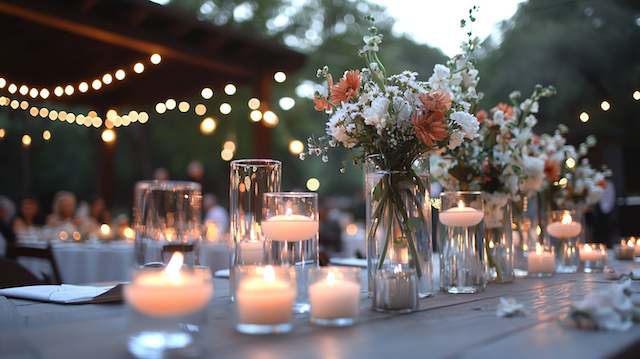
{"points": [[64, 211], [28, 219]]}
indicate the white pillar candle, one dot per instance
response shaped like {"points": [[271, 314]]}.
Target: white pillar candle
{"points": [[171, 291], [334, 298], [565, 228], [541, 261], [460, 216], [265, 300], [290, 228]]}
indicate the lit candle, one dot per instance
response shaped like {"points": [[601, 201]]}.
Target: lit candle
{"points": [[105, 231], [587, 253], [172, 291], [541, 261], [626, 250], [333, 298], [566, 228], [461, 216], [396, 289], [290, 228], [265, 300]]}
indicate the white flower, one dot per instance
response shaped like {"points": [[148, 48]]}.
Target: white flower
{"points": [[609, 309], [337, 129], [455, 140], [402, 108], [532, 166], [467, 122], [531, 120], [509, 307], [440, 78], [376, 114]]}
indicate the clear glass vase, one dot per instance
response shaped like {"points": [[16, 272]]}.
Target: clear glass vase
{"points": [[461, 233], [564, 230], [525, 232], [398, 233], [498, 244]]}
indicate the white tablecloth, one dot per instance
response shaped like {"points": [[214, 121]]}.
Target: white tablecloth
{"points": [[81, 263]]}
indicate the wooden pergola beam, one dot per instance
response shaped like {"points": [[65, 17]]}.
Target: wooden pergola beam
{"points": [[115, 38]]}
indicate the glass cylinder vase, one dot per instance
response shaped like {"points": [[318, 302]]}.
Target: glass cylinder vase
{"points": [[462, 254], [249, 180], [525, 232], [171, 222], [564, 228], [498, 244], [398, 227], [290, 227]]}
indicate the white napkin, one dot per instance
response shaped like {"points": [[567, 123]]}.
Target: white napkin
{"points": [[349, 262], [64, 293], [222, 273]]}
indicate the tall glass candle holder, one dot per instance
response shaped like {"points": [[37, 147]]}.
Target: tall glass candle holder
{"points": [[290, 225], [170, 222], [593, 257], [498, 243], [462, 262], [140, 191], [525, 232], [541, 261], [264, 299], [396, 289], [334, 294], [564, 228], [249, 180], [168, 309]]}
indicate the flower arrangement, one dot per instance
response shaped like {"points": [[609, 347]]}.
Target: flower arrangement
{"points": [[391, 122]]}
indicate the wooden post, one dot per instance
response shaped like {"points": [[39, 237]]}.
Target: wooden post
{"points": [[262, 134]]}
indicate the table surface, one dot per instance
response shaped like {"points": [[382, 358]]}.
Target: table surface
{"points": [[450, 326]]}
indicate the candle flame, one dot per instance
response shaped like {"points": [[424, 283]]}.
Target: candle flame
{"points": [[461, 204], [539, 249], [566, 218], [105, 229], [288, 211], [269, 274], [172, 271], [630, 243], [587, 248], [331, 277], [397, 268]]}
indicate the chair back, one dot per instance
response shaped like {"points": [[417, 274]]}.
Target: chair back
{"points": [[46, 253], [12, 274]]}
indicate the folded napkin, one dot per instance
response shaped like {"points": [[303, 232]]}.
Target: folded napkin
{"points": [[349, 262], [66, 293], [222, 273]]}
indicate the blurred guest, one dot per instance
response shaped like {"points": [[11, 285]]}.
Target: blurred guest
{"points": [[64, 210], [215, 213], [161, 174], [28, 218], [94, 214], [195, 171], [7, 236]]}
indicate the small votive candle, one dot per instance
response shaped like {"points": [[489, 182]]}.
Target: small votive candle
{"points": [[566, 227], [627, 249], [541, 261], [264, 299], [334, 295], [593, 257], [396, 289], [169, 303]]}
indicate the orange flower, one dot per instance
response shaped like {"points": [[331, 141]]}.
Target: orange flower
{"points": [[506, 109], [347, 88], [552, 170], [481, 116], [602, 184], [430, 127], [322, 104], [438, 101]]}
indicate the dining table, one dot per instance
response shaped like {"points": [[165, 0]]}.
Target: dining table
{"points": [[445, 326]]}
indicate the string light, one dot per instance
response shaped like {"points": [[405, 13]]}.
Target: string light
{"points": [[226, 154], [584, 117], [170, 104], [33, 92], [570, 162], [24, 105], [200, 109], [230, 89], [296, 147], [68, 90], [3, 82], [138, 68], [23, 90], [44, 93], [26, 140], [107, 79], [155, 59], [46, 135], [3, 133], [636, 95], [280, 77], [96, 84], [229, 145], [207, 126], [58, 91], [108, 135], [183, 106], [161, 108], [13, 88], [253, 103], [270, 118], [206, 93], [255, 116], [225, 108], [605, 105], [287, 103], [313, 184], [120, 75]]}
